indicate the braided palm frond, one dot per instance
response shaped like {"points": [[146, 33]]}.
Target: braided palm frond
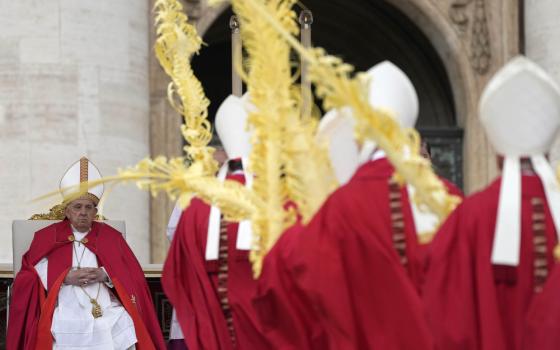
{"points": [[176, 43], [269, 83], [180, 182], [308, 173]]}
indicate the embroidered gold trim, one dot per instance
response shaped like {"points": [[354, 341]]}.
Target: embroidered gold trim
{"points": [[223, 280], [84, 169], [540, 263], [397, 221]]}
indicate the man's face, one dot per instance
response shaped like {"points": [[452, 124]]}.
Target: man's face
{"points": [[424, 151], [220, 156], [81, 213]]}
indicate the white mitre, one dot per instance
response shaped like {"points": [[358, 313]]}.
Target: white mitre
{"points": [[391, 90], [336, 129], [232, 129], [520, 111], [79, 173]]}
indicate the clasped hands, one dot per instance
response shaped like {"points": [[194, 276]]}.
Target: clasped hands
{"points": [[85, 276]]}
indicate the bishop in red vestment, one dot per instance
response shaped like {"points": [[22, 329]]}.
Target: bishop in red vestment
{"points": [[488, 286], [207, 275], [349, 279]]}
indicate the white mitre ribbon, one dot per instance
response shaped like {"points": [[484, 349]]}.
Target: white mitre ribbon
{"points": [[507, 236], [244, 232], [425, 221]]}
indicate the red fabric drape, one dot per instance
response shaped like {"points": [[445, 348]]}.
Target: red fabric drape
{"points": [[338, 283], [470, 303]]}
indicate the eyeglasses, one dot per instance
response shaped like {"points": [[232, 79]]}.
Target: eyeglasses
{"points": [[79, 207]]}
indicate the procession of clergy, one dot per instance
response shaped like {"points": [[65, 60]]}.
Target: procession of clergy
{"points": [[364, 273]]}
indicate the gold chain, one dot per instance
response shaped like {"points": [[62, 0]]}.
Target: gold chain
{"points": [[96, 310]]}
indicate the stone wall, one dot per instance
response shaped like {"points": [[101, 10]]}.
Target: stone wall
{"points": [[74, 81], [542, 35]]}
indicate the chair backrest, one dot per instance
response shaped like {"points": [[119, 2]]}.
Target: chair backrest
{"points": [[23, 231]]}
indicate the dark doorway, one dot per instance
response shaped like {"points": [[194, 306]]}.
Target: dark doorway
{"points": [[363, 33]]}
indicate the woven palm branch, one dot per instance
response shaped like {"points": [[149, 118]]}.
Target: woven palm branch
{"points": [[175, 45]]}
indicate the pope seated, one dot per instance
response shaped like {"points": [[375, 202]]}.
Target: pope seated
{"points": [[80, 285]]}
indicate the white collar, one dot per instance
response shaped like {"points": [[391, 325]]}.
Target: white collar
{"points": [[378, 154], [244, 232], [77, 234]]}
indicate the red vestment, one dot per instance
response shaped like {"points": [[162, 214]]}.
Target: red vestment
{"points": [[473, 304], [191, 284], [31, 315], [338, 283]]}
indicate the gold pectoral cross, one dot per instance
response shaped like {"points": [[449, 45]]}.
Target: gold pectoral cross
{"points": [[95, 308]]}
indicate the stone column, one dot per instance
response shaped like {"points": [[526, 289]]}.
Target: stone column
{"points": [[542, 42], [74, 81]]}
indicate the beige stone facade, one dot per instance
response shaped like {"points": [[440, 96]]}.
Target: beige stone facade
{"points": [[79, 77], [73, 81]]}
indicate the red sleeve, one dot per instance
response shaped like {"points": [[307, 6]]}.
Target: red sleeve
{"points": [[449, 290], [188, 287], [284, 312]]}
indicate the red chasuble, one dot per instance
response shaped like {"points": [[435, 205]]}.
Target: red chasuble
{"points": [[212, 299], [473, 304], [338, 283], [31, 310]]}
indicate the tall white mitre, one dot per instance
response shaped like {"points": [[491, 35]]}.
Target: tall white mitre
{"points": [[81, 172], [520, 111], [336, 129], [232, 129], [231, 126], [391, 90]]}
